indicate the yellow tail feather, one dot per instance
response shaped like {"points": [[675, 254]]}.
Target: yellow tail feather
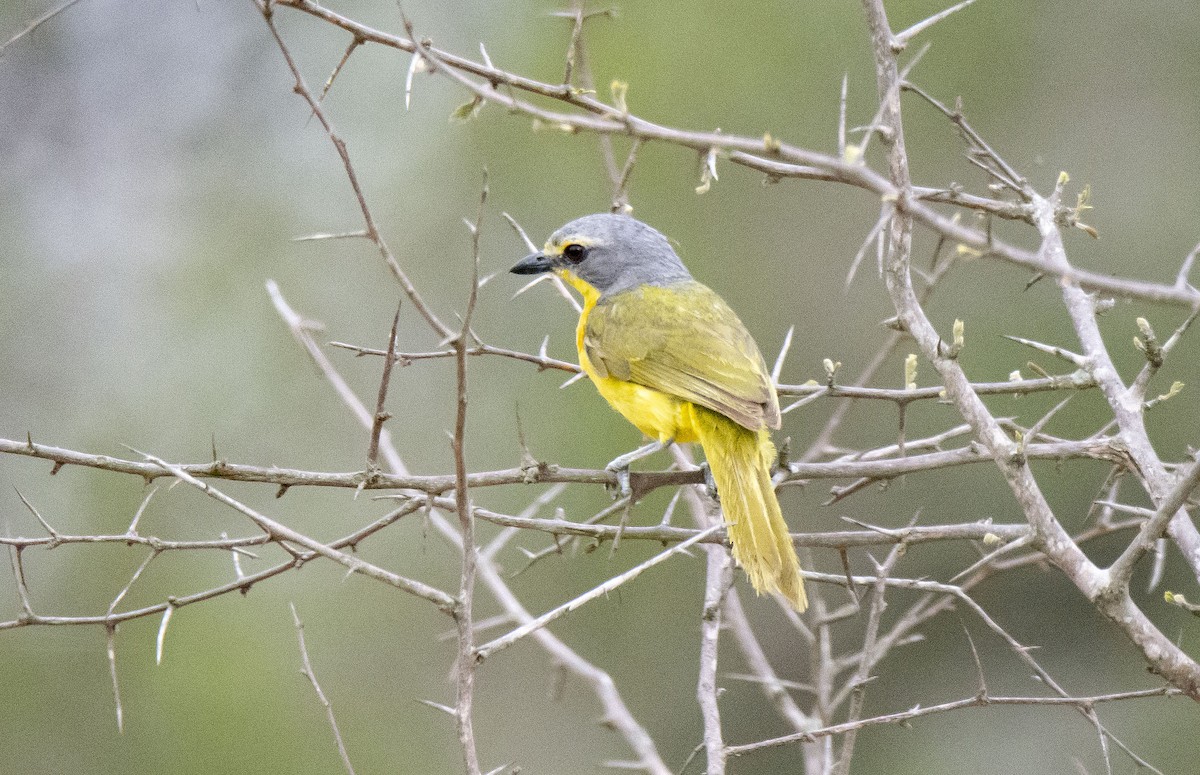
{"points": [[740, 461]]}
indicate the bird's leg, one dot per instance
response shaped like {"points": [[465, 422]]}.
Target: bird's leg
{"points": [[710, 484], [620, 465]]}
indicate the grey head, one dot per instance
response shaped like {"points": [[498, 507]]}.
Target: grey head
{"points": [[612, 253]]}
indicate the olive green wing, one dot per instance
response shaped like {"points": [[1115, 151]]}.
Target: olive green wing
{"points": [[683, 340]]}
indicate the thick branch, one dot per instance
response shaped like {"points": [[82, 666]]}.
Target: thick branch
{"points": [[1160, 653], [545, 473]]}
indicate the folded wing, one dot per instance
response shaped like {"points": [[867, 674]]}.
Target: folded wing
{"points": [[684, 340]]}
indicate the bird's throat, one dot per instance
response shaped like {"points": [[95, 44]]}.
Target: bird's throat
{"points": [[588, 291]]}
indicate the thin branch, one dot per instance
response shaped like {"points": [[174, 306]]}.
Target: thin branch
{"points": [[976, 701], [780, 159], [18, 570], [132, 579], [503, 642], [267, 9], [775, 688], [311, 674], [110, 649], [464, 612], [873, 464], [381, 415], [282, 533], [35, 23], [902, 39], [541, 360], [858, 681], [718, 580], [241, 584], [1171, 505], [1074, 359], [354, 44]]}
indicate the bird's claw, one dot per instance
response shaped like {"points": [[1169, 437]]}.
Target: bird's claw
{"points": [[620, 466], [622, 488], [710, 484]]}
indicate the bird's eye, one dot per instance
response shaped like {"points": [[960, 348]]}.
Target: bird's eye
{"points": [[574, 252]]}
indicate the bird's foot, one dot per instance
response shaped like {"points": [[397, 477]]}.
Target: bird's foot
{"points": [[620, 466], [622, 488], [710, 484]]}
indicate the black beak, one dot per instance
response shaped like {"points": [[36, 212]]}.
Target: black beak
{"points": [[534, 264]]}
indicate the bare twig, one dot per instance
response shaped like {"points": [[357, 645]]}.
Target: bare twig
{"points": [[875, 464], [541, 360], [1122, 568], [35, 23], [718, 580], [381, 416], [110, 649], [464, 611], [285, 535], [616, 713], [777, 158], [267, 9], [858, 681], [311, 674], [967, 702], [503, 642], [901, 39], [1164, 656]]}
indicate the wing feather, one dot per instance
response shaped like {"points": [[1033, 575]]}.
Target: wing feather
{"points": [[683, 340]]}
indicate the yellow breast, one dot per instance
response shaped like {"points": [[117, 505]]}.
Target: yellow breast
{"points": [[661, 416]]}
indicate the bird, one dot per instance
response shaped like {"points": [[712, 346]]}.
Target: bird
{"points": [[667, 353]]}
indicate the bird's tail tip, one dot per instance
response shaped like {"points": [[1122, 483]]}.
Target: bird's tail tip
{"points": [[784, 582], [795, 594]]}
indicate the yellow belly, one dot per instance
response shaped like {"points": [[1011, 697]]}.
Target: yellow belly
{"points": [[661, 416]]}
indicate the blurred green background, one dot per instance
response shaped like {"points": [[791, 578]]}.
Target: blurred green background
{"points": [[154, 169]]}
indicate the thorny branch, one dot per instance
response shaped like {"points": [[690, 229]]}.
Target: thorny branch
{"points": [[878, 464], [464, 613], [1161, 654], [888, 615], [778, 159], [311, 675]]}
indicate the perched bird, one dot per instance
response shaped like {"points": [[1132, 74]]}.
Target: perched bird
{"points": [[671, 356]]}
